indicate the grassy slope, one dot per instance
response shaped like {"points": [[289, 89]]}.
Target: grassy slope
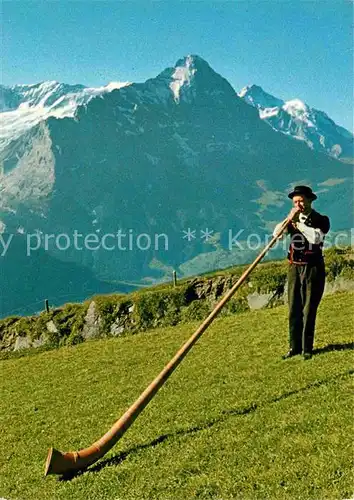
{"points": [[233, 421]]}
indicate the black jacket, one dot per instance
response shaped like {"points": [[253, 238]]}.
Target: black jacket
{"points": [[300, 250]]}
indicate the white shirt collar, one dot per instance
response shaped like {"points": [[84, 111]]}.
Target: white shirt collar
{"points": [[303, 217]]}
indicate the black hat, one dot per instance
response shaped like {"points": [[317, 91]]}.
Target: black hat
{"points": [[305, 190]]}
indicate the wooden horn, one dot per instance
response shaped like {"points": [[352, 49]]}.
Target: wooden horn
{"points": [[62, 463]]}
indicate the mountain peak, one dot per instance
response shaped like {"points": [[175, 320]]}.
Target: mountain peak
{"points": [[190, 73], [297, 119], [192, 61], [185, 69], [295, 106], [249, 89], [257, 97]]}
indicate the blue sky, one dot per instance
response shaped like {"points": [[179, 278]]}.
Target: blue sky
{"points": [[292, 49]]}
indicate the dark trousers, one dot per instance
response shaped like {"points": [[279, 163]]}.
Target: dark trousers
{"points": [[305, 289]]}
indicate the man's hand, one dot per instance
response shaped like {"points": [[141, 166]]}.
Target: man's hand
{"points": [[293, 215]]}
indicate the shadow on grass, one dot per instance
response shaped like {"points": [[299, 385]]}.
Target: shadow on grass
{"points": [[120, 457], [334, 347]]}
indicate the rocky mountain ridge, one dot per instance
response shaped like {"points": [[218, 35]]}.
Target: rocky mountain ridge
{"points": [[177, 155], [298, 120]]}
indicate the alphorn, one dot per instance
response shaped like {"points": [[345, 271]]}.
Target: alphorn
{"points": [[62, 463]]}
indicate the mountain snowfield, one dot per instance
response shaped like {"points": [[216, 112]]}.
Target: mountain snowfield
{"points": [[182, 76], [179, 154], [24, 106], [300, 121]]}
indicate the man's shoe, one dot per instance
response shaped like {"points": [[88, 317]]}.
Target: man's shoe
{"points": [[307, 355], [290, 354]]}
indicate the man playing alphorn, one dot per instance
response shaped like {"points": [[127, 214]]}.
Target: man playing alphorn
{"points": [[306, 271]]}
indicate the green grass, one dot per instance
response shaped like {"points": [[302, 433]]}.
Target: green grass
{"points": [[234, 421]]}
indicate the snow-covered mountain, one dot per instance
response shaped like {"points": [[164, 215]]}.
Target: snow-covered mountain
{"points": [[300, 121], [258, 98], [24, 106], [180, 151]]}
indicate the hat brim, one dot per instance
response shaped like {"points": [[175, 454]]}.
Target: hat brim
{"points": [[311, 197]]}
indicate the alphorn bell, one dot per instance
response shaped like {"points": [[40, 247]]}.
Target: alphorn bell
{"points": [[62, 463]]}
